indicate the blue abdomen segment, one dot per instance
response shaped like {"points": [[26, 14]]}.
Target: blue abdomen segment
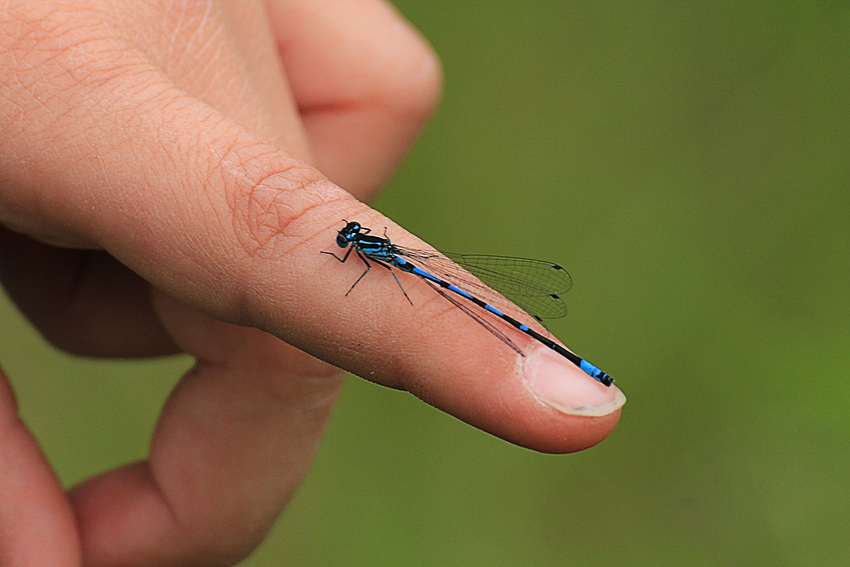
{"points": [[595, 372]]}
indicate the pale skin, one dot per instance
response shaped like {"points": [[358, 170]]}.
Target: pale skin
{"points": [[169, 174]]}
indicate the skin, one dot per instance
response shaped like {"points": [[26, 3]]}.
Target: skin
{"points": [[169, 173]]}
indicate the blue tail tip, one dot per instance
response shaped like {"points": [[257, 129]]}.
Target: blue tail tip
{"points": [[595, 373]]}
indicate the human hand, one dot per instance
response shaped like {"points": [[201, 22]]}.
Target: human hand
{"points": [[160, 188]]}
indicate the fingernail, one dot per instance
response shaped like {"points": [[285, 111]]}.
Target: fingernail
{"points": [[562, 385]]}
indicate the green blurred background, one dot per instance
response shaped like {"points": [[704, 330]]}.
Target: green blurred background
{"points": [[689, 163]]}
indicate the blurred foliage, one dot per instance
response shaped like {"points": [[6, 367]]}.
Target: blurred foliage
{"points": [[688, 163]]}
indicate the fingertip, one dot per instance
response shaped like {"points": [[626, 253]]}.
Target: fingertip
{"points": [[364, 81], [33, 506], [561, 385], [414, 339]]}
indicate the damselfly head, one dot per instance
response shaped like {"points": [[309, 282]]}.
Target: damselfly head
{"points": [[346, 234]]}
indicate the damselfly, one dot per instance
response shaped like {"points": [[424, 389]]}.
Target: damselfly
{"points": [[534, 285]]}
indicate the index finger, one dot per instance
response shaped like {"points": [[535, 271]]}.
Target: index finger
{"points": [[224, 221]]}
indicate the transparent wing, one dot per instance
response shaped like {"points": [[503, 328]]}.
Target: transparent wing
{"points": [[533, 285]]}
